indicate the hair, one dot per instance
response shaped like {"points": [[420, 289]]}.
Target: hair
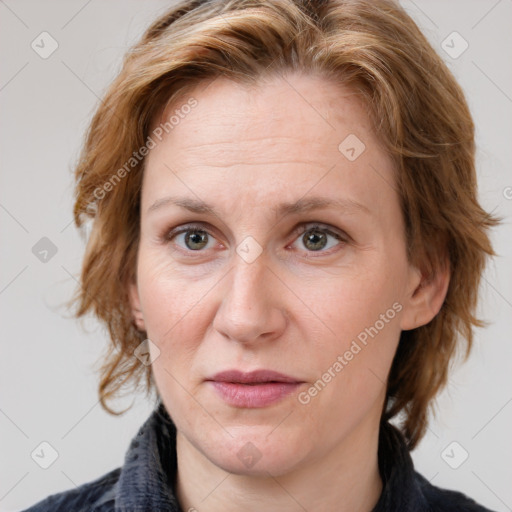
{"points": [[417, 109]]}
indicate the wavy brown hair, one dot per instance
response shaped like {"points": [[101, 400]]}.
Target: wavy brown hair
{"points": [[418, 111]]}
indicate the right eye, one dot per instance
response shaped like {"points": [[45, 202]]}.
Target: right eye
{"points": [[191, 238]]}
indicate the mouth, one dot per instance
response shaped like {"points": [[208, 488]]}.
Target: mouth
{"points": [[254, 389]]}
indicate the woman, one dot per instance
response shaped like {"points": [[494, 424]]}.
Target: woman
{"points": [[286, 246]]}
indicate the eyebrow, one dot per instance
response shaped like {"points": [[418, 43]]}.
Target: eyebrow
{"points": [[302, 205]]}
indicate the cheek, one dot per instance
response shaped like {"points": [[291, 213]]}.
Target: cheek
{"points": [[165, 298], [175, 312], [349, 303], [361, 314]]}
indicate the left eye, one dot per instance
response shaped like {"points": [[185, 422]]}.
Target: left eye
{"points": [[316, 238]]}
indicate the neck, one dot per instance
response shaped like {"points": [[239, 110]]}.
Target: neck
{"points": [[345, 479]]}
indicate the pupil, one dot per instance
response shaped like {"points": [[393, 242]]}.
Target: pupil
{"points": [[196, 238], [315, 241]]}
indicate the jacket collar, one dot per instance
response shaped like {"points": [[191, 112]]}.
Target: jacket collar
{"points": [[146, 483], [401, 488]]}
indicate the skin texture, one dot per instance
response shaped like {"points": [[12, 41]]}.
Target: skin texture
{"points": [[293, 309]]}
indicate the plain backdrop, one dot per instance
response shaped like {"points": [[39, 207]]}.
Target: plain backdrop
{"points": [[48, 381]]}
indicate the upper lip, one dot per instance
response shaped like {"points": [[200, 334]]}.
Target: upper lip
{"points": [[254, 377]]}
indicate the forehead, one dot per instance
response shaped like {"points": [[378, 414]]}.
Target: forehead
{"points": [[289, 106], [289, 132]]}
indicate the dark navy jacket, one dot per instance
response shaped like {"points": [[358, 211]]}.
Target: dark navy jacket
{"points": [[145, 483]]}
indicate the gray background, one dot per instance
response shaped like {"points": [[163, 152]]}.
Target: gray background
{"points": [[48, 384]]}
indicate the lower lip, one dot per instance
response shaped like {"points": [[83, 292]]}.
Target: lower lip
{"points": [[255, 395]]}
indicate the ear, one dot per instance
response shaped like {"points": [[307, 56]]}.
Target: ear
{"points": [[427, 291], [138, 317]]}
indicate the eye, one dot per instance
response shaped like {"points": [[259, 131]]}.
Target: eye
{"points": [[315, 238], [192, 238]]}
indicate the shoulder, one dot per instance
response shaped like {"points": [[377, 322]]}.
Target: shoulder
{"points": [[446, 500], [95, 496]]}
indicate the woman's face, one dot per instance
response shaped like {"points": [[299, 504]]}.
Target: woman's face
{"points": [[282, 249]]}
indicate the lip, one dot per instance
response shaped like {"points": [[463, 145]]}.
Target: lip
{"points": [[254, 377], [254, 389]]}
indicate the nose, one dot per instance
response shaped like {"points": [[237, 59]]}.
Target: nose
{"points": [[251, 310]]}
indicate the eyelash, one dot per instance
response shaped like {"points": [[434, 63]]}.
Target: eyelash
{"points": [[300, 230]]}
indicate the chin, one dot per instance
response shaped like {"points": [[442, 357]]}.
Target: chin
{"points": [[253, 451]]}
